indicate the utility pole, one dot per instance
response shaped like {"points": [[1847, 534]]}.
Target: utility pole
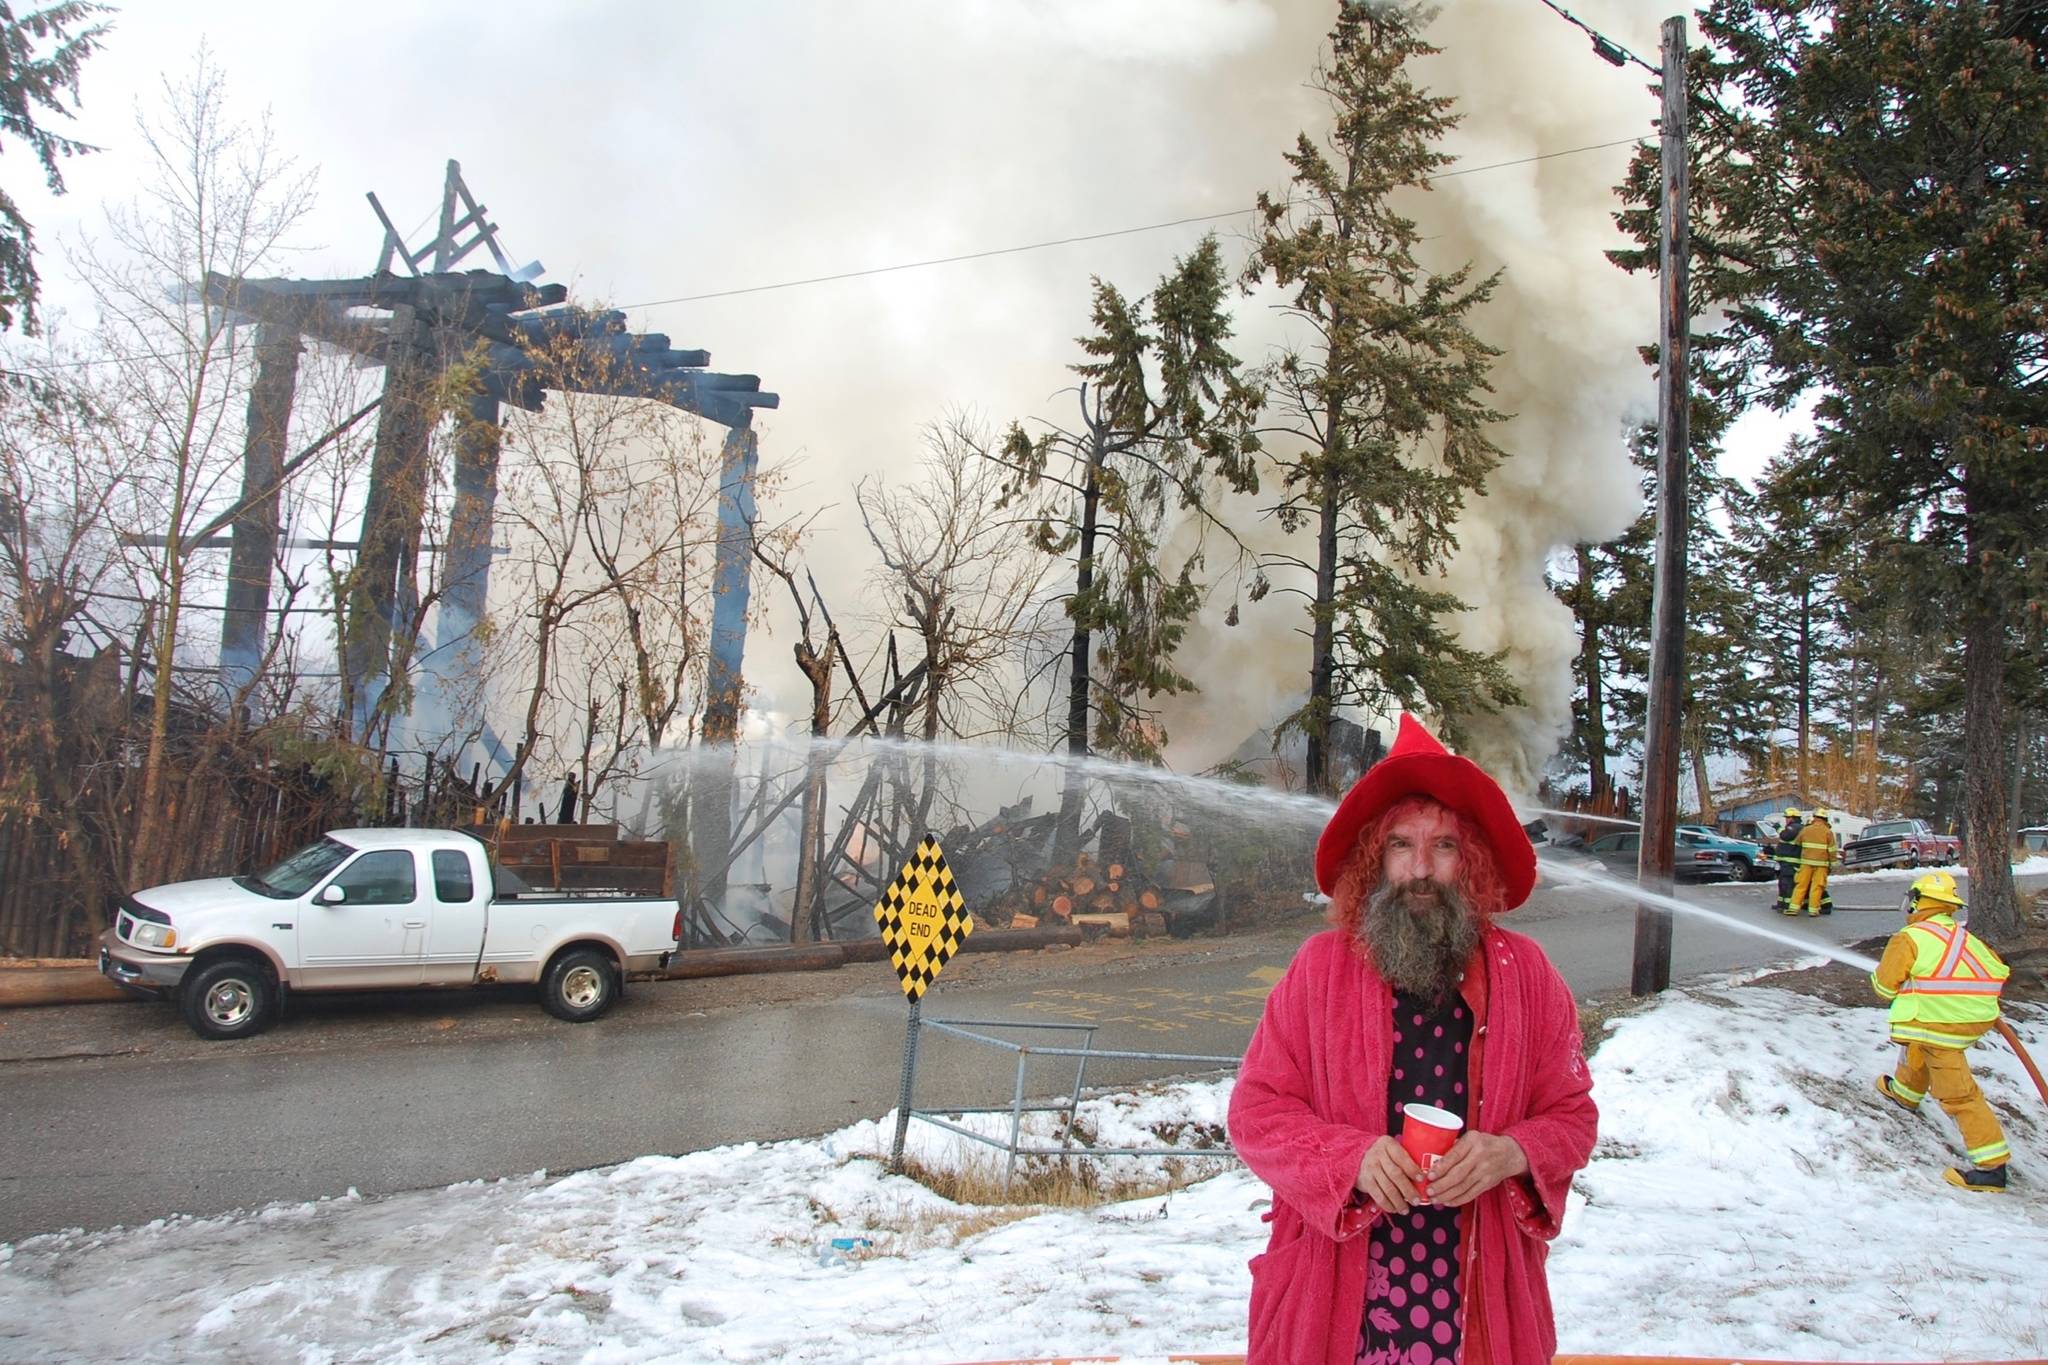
{"points": [[1655, 866]]}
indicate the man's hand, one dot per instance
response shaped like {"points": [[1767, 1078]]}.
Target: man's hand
{"points": [[1475, 1164], [1388, 1175]]}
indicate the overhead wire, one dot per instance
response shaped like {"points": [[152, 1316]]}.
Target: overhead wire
{"points": [[1082, 237], [932, 261], [147, 355], [1608, 50]]}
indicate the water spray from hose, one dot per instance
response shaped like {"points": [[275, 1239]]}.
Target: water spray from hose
{"points": [[983, 776]]}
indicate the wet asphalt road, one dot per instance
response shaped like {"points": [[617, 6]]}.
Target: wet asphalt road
{"points": [[381, 1097]]}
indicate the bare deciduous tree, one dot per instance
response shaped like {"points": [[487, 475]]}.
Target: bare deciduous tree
{"points": [[610, 508], [219, 198], [59, 476], [963, 576]]}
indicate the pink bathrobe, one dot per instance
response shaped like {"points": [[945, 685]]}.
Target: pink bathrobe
{"points": [[1312, 1097]]}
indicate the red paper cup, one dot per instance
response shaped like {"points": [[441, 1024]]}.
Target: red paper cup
{"points": [[1427, 1132]]}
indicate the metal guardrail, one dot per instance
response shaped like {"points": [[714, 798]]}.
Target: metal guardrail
{"points": [[1017, 1108]]}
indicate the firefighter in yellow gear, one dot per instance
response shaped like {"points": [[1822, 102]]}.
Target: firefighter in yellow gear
{"points": [[1943, 982], [1818, 851]]}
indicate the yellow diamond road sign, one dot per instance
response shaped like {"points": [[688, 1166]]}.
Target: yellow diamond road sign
{"points": [[924, 919]]}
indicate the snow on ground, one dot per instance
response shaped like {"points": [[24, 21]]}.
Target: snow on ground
{"points": [[2035, 865], [1751, 1194]]}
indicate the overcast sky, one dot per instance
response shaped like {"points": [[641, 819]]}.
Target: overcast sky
{"points": [[649, 152]]}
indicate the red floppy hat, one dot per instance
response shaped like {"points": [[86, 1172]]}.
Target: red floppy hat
{"points": [[1418, 765]]}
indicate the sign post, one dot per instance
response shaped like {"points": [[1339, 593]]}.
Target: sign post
{"points": [[924, 921]]}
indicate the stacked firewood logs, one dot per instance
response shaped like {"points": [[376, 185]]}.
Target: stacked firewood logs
{"points": [[1114, 898]]}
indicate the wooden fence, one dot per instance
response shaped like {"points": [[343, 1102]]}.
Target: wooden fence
{"points": [[53, 903]]}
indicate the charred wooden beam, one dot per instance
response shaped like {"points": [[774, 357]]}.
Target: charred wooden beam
{"points": [[254, 540]]}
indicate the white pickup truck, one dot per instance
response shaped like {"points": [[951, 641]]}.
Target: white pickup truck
{"points": [[377, 909]]}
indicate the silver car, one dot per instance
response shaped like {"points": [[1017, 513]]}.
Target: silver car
{"points": [[1622, 852]]}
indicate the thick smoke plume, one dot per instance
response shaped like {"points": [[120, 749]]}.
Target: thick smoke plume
{"points": [[1570, 325], [680, 154]]}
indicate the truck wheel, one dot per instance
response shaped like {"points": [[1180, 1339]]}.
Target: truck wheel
{"points": [[1744, 869], [233, 997], [580, 986]]}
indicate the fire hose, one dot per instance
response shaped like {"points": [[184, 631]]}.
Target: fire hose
{"points": [[2005, 1031]]}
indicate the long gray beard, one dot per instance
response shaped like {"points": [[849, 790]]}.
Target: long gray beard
{"points": [[1420, 946]]}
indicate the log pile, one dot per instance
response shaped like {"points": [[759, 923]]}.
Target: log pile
{"points": [[1122, 884], [1114, 898]]}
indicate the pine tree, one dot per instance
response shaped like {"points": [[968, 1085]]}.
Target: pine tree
{"points": [[1608, 592], [1725, 696], [1797, 604], [1386, 414], [1143, 453], [1872, 222], [33, 82]]}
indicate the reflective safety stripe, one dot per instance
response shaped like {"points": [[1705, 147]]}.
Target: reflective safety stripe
{"points": [[1954, 983], [1909, 1032], [1907, 1092], [1957, 941], [1957, 954], [1990, 1151]]}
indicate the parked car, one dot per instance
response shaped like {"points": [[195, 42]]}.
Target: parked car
{"points": [[1753, 862], [1899, 843], [378, 909], [1693, 862]]}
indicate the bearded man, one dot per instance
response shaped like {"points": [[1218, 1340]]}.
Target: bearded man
{"points": [[1414, 996]]}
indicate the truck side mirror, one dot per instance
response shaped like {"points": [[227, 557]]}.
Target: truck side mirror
{"points": [[331, 894]]}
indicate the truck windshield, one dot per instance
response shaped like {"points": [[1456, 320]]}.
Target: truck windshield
{"points": [[298, 874]]}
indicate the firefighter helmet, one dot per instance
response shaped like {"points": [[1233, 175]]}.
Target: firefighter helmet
{"points": [[1937, 886]]}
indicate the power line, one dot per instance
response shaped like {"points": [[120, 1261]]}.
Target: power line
{"points": [[96, 360], [936, 260], [1611, 52], [1083, 237], [144, 355]]}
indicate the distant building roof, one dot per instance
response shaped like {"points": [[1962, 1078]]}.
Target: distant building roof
{"points": [[1758, 804]]}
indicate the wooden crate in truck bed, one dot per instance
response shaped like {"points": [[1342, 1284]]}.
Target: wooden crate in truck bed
{"points": [[585, 858]]}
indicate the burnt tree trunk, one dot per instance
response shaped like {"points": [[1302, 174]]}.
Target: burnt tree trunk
{"points": [[1322, 677], [803, 907], [1067, 833], [1596, 698]]}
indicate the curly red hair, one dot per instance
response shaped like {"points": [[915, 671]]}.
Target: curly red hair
{"points": [[1479, 880]]}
